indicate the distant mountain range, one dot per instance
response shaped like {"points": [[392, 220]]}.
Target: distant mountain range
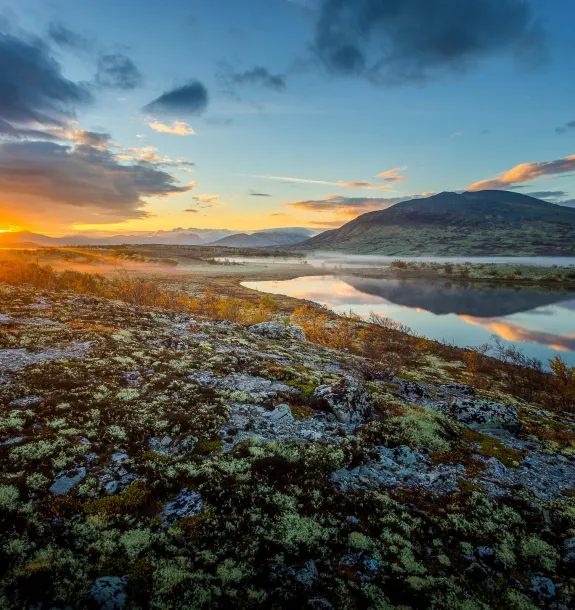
{"points": [[482, 223], [264, 239], [187, 237]]}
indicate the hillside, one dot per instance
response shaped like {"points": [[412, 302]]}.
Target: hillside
{"points": [[496, 223], [149, 453], [263, 239]]}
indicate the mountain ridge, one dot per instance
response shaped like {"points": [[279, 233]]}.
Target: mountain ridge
{"points": [[494, 223]]}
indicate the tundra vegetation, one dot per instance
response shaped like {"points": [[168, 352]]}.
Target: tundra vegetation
{"points": [[166, 449]]}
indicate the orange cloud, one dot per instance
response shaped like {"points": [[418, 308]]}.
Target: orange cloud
{"points": [[392, 175], [514, 332], [206, 198], [177, 128], [525, 172]]}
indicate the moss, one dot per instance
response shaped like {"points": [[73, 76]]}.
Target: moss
{"points": [[490, 447], [207, 447], [136, 495], [192, 526], [307, 389], [301, 413]]}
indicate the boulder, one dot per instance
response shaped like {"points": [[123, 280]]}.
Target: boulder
{"points": [[186, 504], [109, 592], [346, 399], [277, 331], [484, 413], [67, 480]]}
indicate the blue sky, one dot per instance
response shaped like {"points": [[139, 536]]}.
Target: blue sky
{"points": [[465, 119]]}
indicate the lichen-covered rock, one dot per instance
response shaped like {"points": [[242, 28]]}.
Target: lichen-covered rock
{"points": [[26, 402], [186, 504], [277, 331], [484, 413], [255, 387], [346, 399], [109, 592], [67, 480]]}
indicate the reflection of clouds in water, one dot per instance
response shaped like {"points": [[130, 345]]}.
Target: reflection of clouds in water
{"points": [[515, 333], [429, 309]]}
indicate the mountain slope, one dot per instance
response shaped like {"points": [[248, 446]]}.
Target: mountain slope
{"points": [[472, 223], [263, 239]]}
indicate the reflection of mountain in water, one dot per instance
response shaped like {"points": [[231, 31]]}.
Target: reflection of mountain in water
{"points": [[446, 298]]}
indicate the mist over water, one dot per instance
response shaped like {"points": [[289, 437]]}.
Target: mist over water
{"points": [[540, 323]]}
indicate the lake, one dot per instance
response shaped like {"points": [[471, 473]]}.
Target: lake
{"points": [[541, 323]]}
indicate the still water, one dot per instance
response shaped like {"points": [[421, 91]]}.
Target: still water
{"points": [[540, 323]]}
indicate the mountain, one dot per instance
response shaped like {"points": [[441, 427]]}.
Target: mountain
{"points": [[180, 237], [263, 239], [482, 223], [26, 239]]}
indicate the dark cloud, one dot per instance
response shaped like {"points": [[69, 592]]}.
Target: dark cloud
{"points": [[394, 41], [190, 99], [259, 77], [570, 203], [118, 71], [192, 211], [566, 127], [63, 37], [78, 183], [255, 194], [33, 92]]}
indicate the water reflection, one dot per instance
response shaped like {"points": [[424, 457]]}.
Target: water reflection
{"points": [[540, 322], [445, 298]]}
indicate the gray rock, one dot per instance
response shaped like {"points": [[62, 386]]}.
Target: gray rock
{"points": [[297, 333], [12, 441], [319, 603], [411, 391], [26, 402], [256, 387], [277, 331], [281, 415], [388, 472], [307, 575], [109, 592], [167, 446], [484, 414], [349, 402], [67, 480], [543, 586], [186, 504], [458, 388], [405, 456], [13, 360]]}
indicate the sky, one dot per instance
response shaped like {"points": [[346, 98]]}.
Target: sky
{"points": [[143, 115]]}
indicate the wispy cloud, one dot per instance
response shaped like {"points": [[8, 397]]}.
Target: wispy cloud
{"points": [[256, 194], [176, 128], [526, 172], [392, 175], [565, 127], [339, 183], [206, 198]]}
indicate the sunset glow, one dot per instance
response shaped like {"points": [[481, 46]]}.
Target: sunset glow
{"points": [[132, 140]]}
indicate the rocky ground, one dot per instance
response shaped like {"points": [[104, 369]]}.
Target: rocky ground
{"points": [[150, 460]]}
